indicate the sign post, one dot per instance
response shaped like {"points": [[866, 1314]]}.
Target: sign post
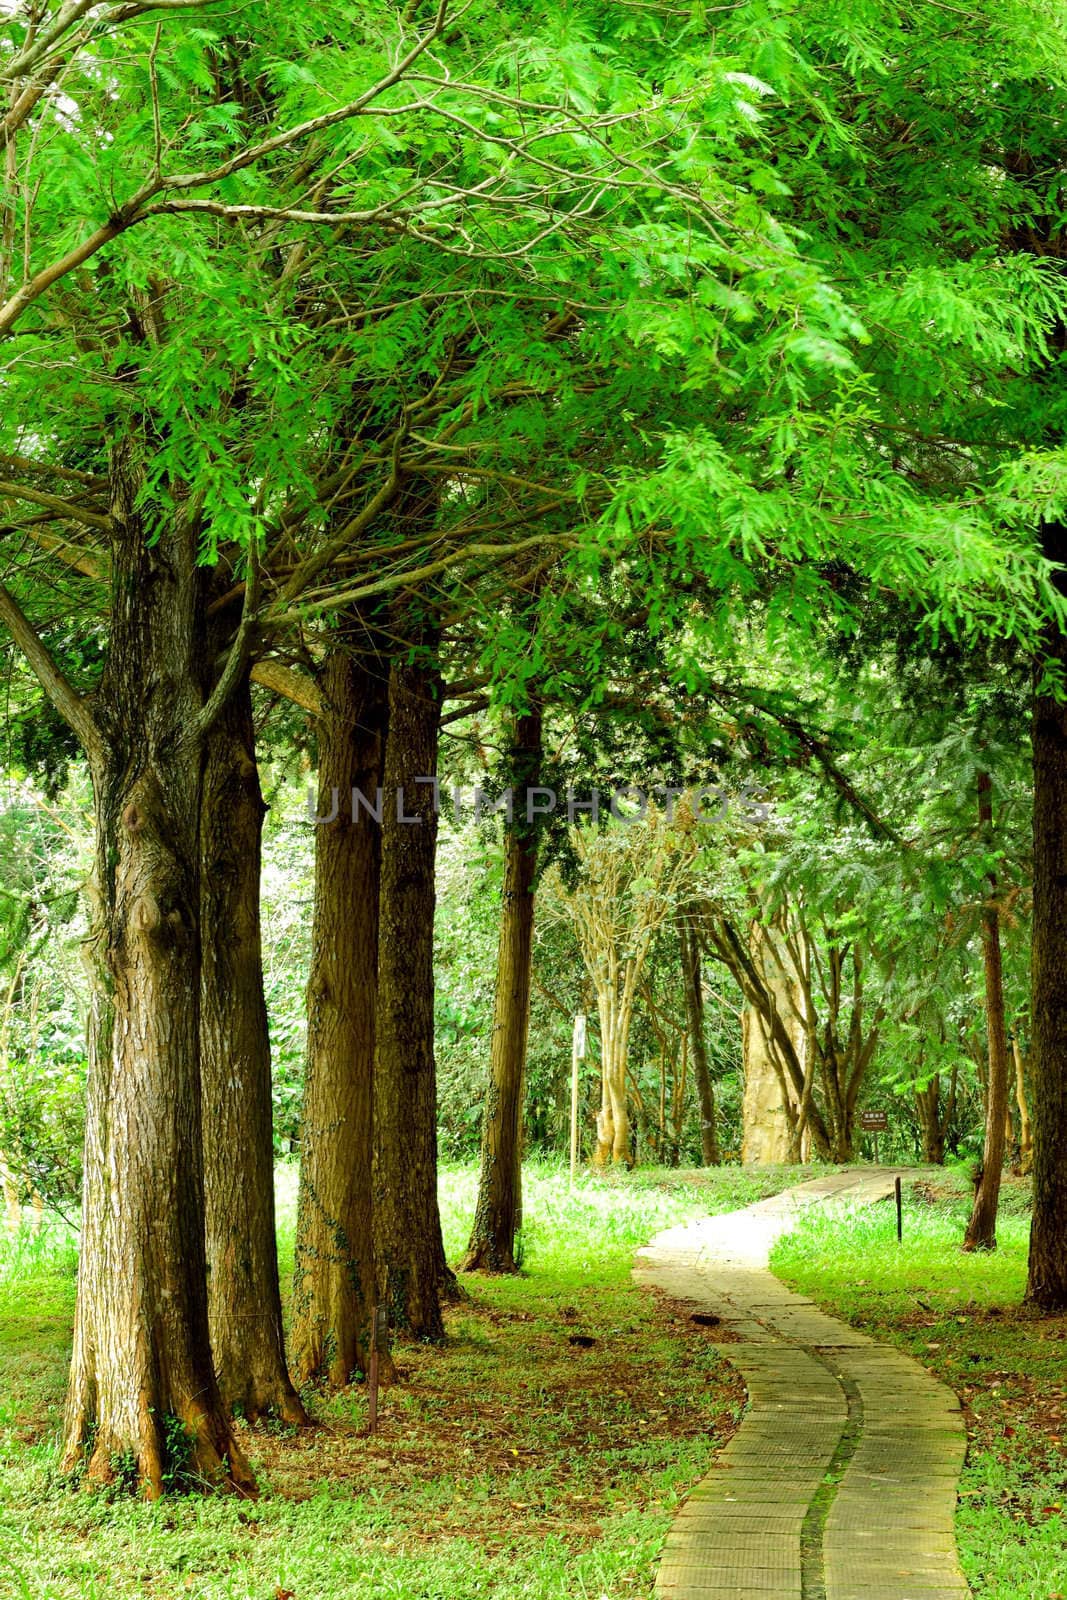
{"points": [[875, 1122], [577, 1057]]}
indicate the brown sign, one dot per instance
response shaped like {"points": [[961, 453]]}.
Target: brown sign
{"points": [[874, 1121]]}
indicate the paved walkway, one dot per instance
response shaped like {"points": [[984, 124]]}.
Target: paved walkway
{"points": [[840, 1483]]}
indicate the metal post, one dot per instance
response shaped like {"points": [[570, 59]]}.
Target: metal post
{"points": [[577, 1054], [900, 1211]]}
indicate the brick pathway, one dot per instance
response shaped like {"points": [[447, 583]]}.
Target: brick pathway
{"points": [[840, 1483]]}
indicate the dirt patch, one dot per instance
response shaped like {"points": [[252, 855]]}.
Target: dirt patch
{"points": [[687, 1319], [511, 1415]]}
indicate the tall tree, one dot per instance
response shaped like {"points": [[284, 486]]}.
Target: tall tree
{"points": [[689, 949], [412, 1271], [142, 1363], [244, 1295], [334, 1285], [630, 877], [982, 1229], [1047, 1278], [499, 1207]]}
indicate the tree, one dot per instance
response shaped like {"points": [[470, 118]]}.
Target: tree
{"points": [[982, 1228], [334, 1281], [412, 1272], [630, 875], [807, 988], [499, 1206], [244, 1295], [1047, 1279], [689, 949], [1026, 1132], [142, 1361]]}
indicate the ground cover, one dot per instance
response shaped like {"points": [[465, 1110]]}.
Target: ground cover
{"points": [[540, 1453]]}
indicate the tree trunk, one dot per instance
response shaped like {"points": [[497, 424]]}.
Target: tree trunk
{"points": [[622, 1153], [334, 1286], [1047, 1285], [498, 1212], [1026, 1138], [412, 1269], [844, 1146], [143, 1404], [766, 1138], [244, 1296], [605, 1119], [771, 1103], [694, 1006], [613, 1142], [928, 1106], [982, 1230]]}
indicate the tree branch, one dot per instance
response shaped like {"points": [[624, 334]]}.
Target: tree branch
{"points": [[400, 580], [290, 684], [240, 653], [135, 209], [70, 705], [52, 502]]}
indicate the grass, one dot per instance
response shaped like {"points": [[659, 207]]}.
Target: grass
{"points": [[511, 1462], [726, 1188], [961, 1316]]}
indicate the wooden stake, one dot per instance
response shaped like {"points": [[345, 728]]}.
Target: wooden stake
{"points": [[379, 1333], [577, 1056]]}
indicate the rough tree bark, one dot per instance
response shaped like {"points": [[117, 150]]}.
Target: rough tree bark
{"points": [[1047, 1283], [334, 1290], [694, 1008], [244, 1296], [928, 1106], [935, 1119], [498, 1212], [143, 1400], [412, 1271], [982, 1229]]}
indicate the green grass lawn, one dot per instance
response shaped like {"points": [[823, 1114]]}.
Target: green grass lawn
{"points": [[511, 1462], [961, 1316]]}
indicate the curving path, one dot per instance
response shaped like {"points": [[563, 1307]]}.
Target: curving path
{"points": [[840, 1483]]}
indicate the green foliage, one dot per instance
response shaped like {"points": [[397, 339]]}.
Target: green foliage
{"points": [[125, 1471], [43, 998], [177, 1456], [42, 1125]]}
